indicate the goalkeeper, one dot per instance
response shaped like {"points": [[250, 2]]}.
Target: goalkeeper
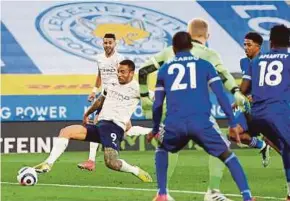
{"points": [[198, 29]]}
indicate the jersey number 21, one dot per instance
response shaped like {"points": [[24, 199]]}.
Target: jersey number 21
{"points": [[177, 84]]}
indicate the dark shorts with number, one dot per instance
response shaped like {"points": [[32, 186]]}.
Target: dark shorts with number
{"points": [[107, 133]]}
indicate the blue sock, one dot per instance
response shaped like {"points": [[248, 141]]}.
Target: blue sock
{"points": [[161, 164], [286, 161], [256, 143], [238, 175]]}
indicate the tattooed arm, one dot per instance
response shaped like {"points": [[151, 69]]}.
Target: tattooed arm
{"points": [[97, 105]]}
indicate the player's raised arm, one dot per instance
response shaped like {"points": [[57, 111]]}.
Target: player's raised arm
{"points": [[158, 103], [150, 66], [144, 71]]}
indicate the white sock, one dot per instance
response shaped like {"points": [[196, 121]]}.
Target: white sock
{"points": [[129, 168], [93, 151], [58, 148], [138, 130]]}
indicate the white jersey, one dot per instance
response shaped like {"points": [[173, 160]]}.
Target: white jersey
{"points": [[120, 103], [107, 67]]}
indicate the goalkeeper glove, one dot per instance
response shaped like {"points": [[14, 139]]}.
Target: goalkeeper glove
{"points": [[147, 104], [240, 99], [242, 102]]}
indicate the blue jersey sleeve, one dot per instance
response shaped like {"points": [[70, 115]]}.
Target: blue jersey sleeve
{"points": [[247, 74], [244, 64], [215, 83], [158, 101]]}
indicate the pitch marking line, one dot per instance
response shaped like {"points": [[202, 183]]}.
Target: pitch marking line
{"points": [[138, 189]]}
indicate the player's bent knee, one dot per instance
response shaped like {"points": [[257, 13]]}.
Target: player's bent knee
{"points": [[64, 133], [76, 132], [225, 155]]}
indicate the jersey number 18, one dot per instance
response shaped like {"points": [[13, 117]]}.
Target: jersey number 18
{"points": [[273, 75]]}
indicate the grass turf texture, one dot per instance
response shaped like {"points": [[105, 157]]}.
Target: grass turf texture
{"points": [[189, 180]]}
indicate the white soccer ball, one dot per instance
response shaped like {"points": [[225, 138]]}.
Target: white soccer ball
{"points": [[27, 176]]}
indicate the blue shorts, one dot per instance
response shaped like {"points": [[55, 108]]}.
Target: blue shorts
{"points": [[274, 123], [105, 132], [204, 132]]}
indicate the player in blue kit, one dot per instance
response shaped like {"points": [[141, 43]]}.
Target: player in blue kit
{"points": [[252, 47], [184, 81], [268, 77]]}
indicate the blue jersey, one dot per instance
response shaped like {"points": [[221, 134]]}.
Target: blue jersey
{"points": [[245, 64], [270, 77], [184, 81]]}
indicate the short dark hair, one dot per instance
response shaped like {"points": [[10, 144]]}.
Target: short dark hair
{"points": [[255, 37], [280, 36], [181, 41], [129, 63], [110, 35]]}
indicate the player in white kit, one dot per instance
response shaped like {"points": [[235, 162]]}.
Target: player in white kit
{"points": [[107, 63], [118, 102]]}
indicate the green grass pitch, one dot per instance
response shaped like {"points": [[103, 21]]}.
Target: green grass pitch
{"points": [[188, 182]]}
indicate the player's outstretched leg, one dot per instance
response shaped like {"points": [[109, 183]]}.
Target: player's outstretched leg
{"points": [[76, 132], [113, 162], [90, 164], [257, 143], [237, 172], [216, 169]]}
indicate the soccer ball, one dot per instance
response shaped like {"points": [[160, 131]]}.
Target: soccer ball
{"points": [[27, 176]]}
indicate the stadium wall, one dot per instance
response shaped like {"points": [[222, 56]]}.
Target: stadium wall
{"points": [[37, 137]]}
